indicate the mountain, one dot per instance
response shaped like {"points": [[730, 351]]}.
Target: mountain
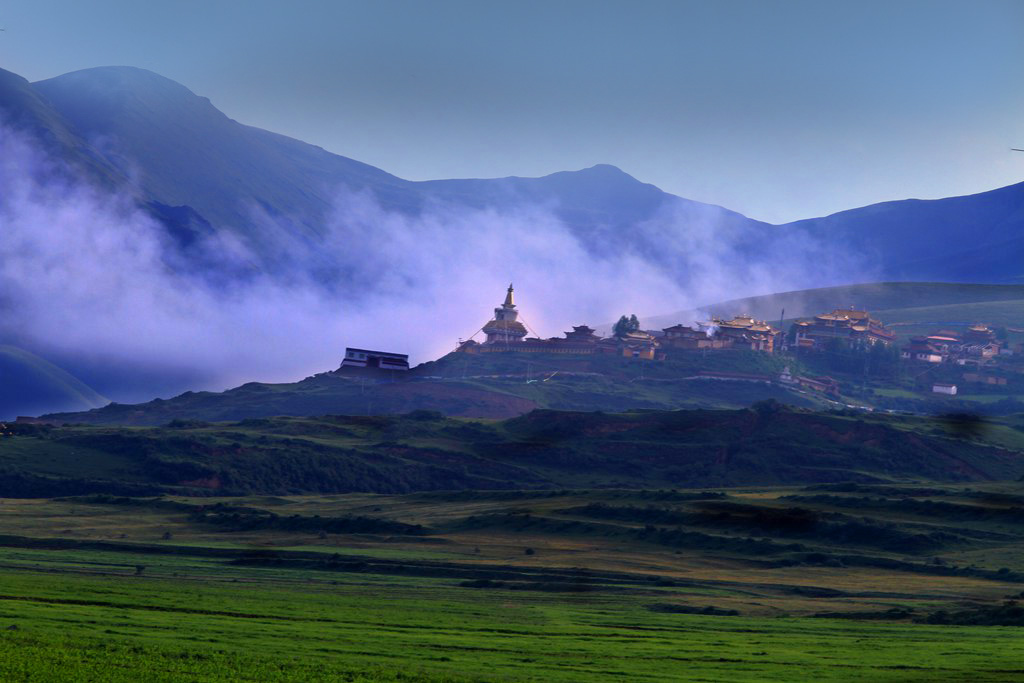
{"points": [[973, 238], [182, 153], [187, 153], [30, 385], [23, 108]]}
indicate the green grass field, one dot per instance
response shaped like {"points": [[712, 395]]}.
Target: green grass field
{"points": [[86, 628], [118, 590]]}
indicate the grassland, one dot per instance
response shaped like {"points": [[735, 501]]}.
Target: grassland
{"points": [[751, 584], [910, 321], [877, 296]]}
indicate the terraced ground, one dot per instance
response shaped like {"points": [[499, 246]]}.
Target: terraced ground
{"points": [[834, 582]]}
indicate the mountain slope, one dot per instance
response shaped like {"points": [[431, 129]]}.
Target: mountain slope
{"points": [[189, 153], [23, 109], [185, 152], [973, 238]]}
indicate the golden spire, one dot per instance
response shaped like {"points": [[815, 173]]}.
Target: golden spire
{"points": [[509, 303]]}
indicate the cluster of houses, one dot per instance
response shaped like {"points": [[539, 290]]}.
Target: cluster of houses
{"points": [[975, 346], [505, 332], [850, 326], [845, 324]]}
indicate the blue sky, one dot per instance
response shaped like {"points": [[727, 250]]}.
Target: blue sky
{"points": [[779, 110]]}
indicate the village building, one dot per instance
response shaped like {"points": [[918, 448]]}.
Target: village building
{"points": [[921, 349], [786, 376], [846, 324], [978, 354], [638, 344], [743, 331], [686, 337], [945, 342], [365, 358], [505, 327], [979, 334], [825, 385], [740, 332], [582, 334], [944, 388], [976, 378], [977, 345], [506, 333]]}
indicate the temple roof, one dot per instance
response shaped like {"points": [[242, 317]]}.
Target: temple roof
{"points": [[513, 326], [850, 313]]}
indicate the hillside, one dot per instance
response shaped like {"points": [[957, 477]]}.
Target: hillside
{"points": [[924, 319], [507, 385], [24, 109], [478, 385], [768, 444], [29, 384], [1001, 302]]}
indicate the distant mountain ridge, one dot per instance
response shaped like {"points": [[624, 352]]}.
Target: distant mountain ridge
{"points": [[119, 122]]}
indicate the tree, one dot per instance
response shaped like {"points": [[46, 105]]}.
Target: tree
{"points": [[626, 325]]}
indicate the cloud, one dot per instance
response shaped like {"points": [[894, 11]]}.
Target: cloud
{"points": [[86, 274]]}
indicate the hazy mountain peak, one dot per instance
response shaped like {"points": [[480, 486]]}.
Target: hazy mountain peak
{"points": [[118, 78], [603, 174], [94, 97], [605, 169]]}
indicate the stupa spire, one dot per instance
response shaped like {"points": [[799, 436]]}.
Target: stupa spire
{"points": [[509, 303]]}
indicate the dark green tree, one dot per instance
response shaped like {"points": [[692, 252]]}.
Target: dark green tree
{"points": [[625, 325]]}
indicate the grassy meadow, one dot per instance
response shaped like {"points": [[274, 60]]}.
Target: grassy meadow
{"points": [[830, 583]]}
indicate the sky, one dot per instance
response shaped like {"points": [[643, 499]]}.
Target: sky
{"points": [[780, 110]]}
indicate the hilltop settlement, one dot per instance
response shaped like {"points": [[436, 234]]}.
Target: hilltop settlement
{"points": [[845, 340]]}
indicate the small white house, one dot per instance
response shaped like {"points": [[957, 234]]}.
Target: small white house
{"points": [[942, 388]]}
